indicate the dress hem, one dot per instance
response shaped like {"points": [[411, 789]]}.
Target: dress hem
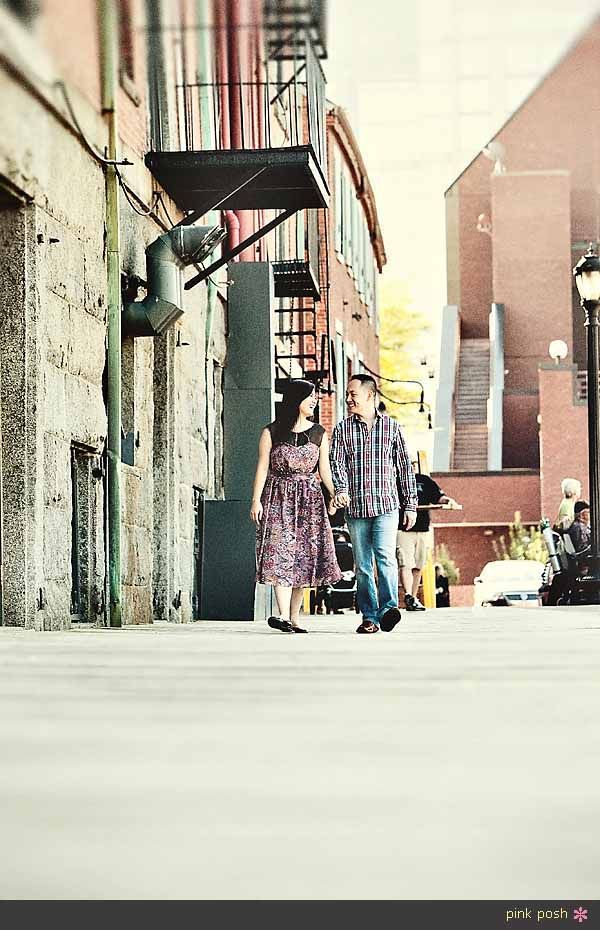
{"points": [[311, 583]]}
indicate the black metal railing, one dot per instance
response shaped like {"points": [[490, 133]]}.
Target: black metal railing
{"points": [[263, 115], [286, 22]]}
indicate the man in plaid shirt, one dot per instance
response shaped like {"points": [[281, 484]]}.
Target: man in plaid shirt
{"points": [[370, 465]]}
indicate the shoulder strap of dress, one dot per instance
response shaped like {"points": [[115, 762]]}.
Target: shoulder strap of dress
{"points": [[316, 434]]}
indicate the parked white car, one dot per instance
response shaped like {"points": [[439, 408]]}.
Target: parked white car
{"points": [[508, 583]]}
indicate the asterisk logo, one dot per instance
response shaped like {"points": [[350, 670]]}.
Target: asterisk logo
{"points": [[580, 914]]}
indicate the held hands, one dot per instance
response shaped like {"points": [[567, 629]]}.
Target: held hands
{"points": [[256, 511], [410, 518], [340, 500]]}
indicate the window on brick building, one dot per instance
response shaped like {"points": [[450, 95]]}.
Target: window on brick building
{"points": [[127, 50], [126, 40], [158, 98]]}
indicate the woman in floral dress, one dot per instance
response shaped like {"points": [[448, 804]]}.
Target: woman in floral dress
{"points": [[294, 543]]}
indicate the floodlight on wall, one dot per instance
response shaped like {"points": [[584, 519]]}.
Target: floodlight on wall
{"points": [[558, 350], [496, 152]]}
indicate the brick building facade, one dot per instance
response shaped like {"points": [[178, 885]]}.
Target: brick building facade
{"points": [[194, 82], [356, 258], [518, 219], [160, 300]]}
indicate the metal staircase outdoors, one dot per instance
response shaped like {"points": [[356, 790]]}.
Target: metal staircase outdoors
{"points": [[470, 421]]}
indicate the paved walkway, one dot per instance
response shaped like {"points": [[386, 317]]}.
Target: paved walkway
{"points": [[457, 757]]}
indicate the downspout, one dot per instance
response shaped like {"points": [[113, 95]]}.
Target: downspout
{"points": [[233, 227], [209, 141], [108, 40], [237, 38], [165, 259]]}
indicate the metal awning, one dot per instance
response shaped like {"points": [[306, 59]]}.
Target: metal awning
{"points": [[241, 179]]}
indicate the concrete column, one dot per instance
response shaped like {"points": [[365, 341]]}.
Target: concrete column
{"points": [[22, 444], [164, 477], [228, 590]]}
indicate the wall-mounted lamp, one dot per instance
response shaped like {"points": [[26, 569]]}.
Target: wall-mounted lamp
{"points": [[558, 350]]}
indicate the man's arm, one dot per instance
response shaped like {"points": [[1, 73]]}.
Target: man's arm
{"points": [[407, 486], [441, 496], [339, 467]]}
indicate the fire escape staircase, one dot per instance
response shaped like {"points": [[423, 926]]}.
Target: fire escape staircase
{"points": [[303, 284], [470, 418], [279, 163]]}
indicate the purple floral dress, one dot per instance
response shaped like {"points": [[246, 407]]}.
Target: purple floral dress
{"points": [[294, 543]]}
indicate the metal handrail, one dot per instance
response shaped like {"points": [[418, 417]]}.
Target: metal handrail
{"points": [[291, 112]]}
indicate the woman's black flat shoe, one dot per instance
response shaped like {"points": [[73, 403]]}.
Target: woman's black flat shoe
{"points": [[277, 623], [298, 629]]}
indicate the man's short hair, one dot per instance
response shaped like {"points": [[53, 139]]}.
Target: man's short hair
{"points": [[581, 505], [369, 380]]}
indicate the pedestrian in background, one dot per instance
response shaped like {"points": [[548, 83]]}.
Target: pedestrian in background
{"points": [[373, 478], [442, 587], [580, 530], [294, 542], [413, 545], [571, 491]]}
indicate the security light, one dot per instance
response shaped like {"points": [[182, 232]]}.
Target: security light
{"points": [[558, 350]]}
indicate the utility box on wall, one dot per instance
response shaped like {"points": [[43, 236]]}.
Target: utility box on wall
{"points": [[228, 589]]}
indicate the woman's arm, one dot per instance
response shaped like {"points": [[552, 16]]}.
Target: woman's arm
{"points": [[339, 468], [325, 466], [262, 467]]}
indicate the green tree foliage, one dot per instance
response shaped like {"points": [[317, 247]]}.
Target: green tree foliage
{"points": [[449, 566], [404, 339], [523, 542]]}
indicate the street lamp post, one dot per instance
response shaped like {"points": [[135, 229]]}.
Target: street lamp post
{"points": [[587, 279]]}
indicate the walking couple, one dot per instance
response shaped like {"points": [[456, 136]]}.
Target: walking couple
{"points": [[367, 472]]}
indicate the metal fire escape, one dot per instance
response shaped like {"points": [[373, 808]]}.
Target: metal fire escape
{"points": [[303, 283], [268, 140]]}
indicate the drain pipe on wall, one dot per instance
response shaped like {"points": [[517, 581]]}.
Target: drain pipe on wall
{"points": [[205, 77], [108, 38]]}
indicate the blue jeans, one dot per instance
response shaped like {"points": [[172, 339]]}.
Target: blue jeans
{"points": [[374, 542]]}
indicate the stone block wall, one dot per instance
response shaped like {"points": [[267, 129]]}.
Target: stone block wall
{"points": [[52, 372]]}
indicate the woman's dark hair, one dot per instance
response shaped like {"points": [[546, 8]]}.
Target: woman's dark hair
{"points": [[294, 392]]}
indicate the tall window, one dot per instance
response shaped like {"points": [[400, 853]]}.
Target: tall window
{"points": [[157, 90], [127, 69], [126, 59]]}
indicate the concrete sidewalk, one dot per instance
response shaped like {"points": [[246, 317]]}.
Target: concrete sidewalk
{"points": [[458, 757]]}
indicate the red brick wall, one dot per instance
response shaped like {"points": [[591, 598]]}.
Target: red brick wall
{"points": [[344, 301], [474, 250], [78, 61], [520, 431], [489, 501], [470, 547], [489, 497], [563, 437], [531, 268], [133, 125], [542, 210], [537, 138]]}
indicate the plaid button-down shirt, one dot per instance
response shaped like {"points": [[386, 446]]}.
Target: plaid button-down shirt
{"points": [[371, 466]]}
